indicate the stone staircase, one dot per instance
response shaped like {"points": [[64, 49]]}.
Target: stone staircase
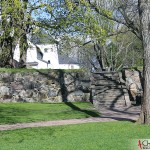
{"points": [[108, 91]]}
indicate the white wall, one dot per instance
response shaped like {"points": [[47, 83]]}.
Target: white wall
{"points": [[41, 65], [50, 55], [16, 53], [31, 55]]}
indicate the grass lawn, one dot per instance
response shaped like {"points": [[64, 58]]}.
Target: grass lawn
{"points": [[33, 112], [90, 136]]}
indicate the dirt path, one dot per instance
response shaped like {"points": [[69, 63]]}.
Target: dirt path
{"points": [[116, 114]]}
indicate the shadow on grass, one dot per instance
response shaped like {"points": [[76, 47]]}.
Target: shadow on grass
{"points": [[13, 115], [88, 112], [121, 119], [65, 93]]}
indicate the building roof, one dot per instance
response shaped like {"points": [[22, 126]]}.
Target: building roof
{"points": [[63, 59]]}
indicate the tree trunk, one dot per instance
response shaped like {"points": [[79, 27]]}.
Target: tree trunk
{"points": [[23, 45], [144, 13], [5, 52]]}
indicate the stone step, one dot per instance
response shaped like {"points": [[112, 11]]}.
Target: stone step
{"points": [[100, 87], [111, 100], [105, 82], [108, 97], [111, 104], [108, 92], [107, 89], [106, 73], [105, 78]]}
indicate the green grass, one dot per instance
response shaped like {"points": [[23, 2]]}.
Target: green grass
{"points": [[33, 112], [90, 136]]}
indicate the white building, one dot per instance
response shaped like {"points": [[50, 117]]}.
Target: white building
{"points": [[46, 57]]}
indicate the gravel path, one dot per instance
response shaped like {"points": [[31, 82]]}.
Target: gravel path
{"points": [[116, 114]]}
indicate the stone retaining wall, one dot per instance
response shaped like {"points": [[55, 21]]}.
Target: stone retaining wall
{"points": [[134, 84], [52, 86]]}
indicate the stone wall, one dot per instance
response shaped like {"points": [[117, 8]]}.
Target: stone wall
{"points": [[134, 84], [39, 86]]}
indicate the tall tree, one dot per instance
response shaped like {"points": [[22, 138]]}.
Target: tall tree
{"points": [[135, 15], [16, 24], [144, 15]]}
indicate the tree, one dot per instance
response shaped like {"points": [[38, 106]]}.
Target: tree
{"points": [[134, 14], [13, 28], [94, 17], [16, 25], [70, 22], [87, 17], [125, 49], [144, 15], [98, 29]]}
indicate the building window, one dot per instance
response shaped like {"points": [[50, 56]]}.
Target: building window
{"points": [[46, 50], [39, 55]]}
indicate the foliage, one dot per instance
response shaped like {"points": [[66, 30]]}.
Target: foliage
{"points": [[14, 27], [17, 24], [42, 37], [60, 18], [124, 49], [73, 23]]}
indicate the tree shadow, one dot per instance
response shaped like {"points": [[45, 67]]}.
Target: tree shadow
{"points": [[122, 114], [121, 119], [88, 112], [63, 89], [65, 93], [115, 101]]}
